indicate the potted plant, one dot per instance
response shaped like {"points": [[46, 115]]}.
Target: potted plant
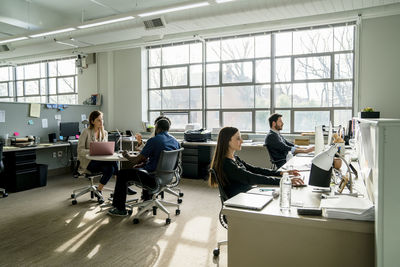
{"points": [[369, 113]]}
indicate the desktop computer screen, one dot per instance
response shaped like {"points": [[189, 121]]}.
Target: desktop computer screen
{"points": [[68, 129]]}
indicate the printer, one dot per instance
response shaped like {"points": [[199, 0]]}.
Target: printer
{"points": [[200, 135]]}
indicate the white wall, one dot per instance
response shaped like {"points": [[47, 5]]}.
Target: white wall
{"points": [[87, 81], [120, 84], [379, 84]]}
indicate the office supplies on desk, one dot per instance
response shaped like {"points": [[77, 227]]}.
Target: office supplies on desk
{"points": [[263, 191], [248, 201], [101, 148]]}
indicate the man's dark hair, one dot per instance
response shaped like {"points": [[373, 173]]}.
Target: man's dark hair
{"points": [[162, 117], [163, 124], [273, 118]]}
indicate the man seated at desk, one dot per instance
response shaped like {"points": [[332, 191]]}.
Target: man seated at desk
{"points": [[278, 147], [147, 159]]}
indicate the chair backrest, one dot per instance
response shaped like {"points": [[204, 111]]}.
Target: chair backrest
{"points": [[223, 197], [276, 164], [166, 167]]}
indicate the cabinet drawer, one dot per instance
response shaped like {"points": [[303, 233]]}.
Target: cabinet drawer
{"points": [[190, 151], [190, 159]]}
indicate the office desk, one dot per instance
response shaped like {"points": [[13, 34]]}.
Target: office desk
{"points": [[269, 238], [20, 169]]}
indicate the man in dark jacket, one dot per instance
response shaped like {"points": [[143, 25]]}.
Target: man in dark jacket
{"points": [[277, 145]]}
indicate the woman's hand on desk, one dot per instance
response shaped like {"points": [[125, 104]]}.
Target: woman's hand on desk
{"points": [[292, 172]]}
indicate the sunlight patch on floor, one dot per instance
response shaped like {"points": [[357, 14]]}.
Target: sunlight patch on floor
{"points": [[202, 234], [94, 251]]}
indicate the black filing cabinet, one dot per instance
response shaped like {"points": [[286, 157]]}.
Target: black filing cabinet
{"points": [[20, 170], [195, 161]]}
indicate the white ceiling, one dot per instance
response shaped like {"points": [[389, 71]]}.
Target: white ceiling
{"points": [[24, 17]]}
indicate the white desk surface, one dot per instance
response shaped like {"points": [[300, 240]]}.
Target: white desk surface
{"points": [[114, 157], [39, 146]]}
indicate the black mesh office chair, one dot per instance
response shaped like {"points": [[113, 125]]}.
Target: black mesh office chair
{"points": [[2, 190], [275, 164], [156, 182], [222, 218]]}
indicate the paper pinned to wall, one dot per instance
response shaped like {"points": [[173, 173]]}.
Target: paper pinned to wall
{"points": [[2, 116], [83, 117], [34, 110], [57, 117], [45, 123], [30, 122]]}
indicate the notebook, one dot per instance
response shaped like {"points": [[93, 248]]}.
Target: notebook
{"points": [[101, 148], [248, 201]]}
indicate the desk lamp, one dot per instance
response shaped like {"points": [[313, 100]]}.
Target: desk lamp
{"points": [[321, 167]]}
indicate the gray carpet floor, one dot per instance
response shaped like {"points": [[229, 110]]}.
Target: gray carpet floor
{"points": [[40, 227]]}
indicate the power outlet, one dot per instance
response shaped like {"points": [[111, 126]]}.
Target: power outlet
{"points": [[54, 154], [59, 154]]}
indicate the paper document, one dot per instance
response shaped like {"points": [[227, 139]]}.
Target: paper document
{"points": [[45, 123], [346, 202], [35, 110], [2, 116]]}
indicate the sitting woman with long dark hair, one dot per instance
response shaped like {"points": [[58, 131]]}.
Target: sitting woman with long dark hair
{"points": [[234, 174]]}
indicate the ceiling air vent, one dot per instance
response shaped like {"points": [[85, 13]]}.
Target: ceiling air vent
{"points": [[154, 23]]}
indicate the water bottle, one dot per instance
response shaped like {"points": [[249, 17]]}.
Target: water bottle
{"points": [[285, 188]]}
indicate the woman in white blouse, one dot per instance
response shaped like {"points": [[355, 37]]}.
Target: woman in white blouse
{"points": [[95, 133]]}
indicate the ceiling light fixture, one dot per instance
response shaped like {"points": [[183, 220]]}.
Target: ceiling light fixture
{"points": [[173, 9], [13, 40], [59, 42], [223, 1], [105, 22], [52, 32]]}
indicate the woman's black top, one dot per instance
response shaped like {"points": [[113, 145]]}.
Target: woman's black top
{"points": [[242, 176]]}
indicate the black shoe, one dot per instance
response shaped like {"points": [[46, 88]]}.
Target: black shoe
{"points": [[131, 191], [117, 212]]}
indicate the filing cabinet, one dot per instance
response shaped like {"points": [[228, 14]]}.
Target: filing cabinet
{"points": [[20, 170], [195, 161]]}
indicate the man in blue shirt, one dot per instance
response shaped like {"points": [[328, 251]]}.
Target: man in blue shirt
{"points": [[147, 159]]}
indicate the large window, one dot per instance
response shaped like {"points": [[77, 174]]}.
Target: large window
{"points": [[43, 82], [304, 74]]}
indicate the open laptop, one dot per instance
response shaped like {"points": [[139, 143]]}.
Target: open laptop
{"points": [[248, 201], [101, 148]]}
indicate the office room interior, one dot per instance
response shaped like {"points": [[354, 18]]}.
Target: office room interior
{"points": [[131, 68]]}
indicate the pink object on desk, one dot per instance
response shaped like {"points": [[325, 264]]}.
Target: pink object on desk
{"points": [[16, 133]]}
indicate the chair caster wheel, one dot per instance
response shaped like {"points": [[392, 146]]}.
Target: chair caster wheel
{"points": [[5, 195], [180, 194], [111, 194], [177, 212], [168, 221], [74, 202], [216, 252], [92, 194], [154, 211], [179, 201], [130, 212], [72, 195], [135, 221]]}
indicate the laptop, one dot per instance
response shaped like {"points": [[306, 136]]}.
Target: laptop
{"points": [[101, 148], [248, 201]]}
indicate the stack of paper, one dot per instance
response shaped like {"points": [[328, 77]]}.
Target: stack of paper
{"points": [[348, 207]]}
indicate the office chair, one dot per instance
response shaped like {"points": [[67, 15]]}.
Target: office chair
{"points": [[275, 164], [171, 188], [2, 190], [91, 188], [222, 218], [156, 182]]}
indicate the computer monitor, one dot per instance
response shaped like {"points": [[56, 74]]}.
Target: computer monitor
{"points": [[68, 129]]}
